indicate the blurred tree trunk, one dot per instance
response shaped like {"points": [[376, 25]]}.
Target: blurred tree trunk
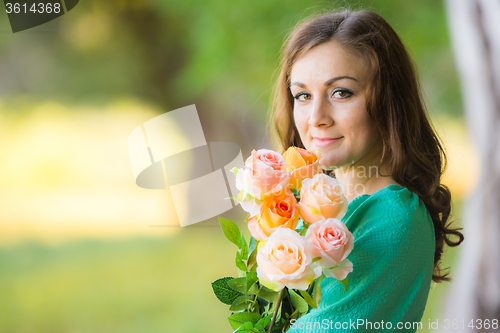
{"points": [[475, 291]]}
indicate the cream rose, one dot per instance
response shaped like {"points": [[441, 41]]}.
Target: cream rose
{"points": [[286, 261], [264, 173], [321, 198], [332, 241], [301, 164], [278, 210]]}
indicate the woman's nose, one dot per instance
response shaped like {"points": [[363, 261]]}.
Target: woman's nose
{"points": [[320, 114]]}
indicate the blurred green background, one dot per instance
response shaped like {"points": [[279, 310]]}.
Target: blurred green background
{"points": [[82, 248]]}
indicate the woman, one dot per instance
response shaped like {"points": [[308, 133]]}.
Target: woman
{"points": [[348, 89]]}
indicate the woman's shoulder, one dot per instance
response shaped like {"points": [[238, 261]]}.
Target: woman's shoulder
{"points": [[393, 210], [394, 226], [392, 202]]}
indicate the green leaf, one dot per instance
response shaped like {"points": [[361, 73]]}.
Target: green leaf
{"points": [[308, 299], [244, 248], [263, 323], [234, 170], [239, 261], [240, 318], [263, 303], [240, 303], [239, 284], [251, 279], [269, 295], [317, 289], [245, 328], [224, 292], [298, 302], [265, 307], [252, 261], [241, 273], [278, 327], [251, 246], [317, 293], [316, 259], [295, 315], [231, 231], [345, 283]]}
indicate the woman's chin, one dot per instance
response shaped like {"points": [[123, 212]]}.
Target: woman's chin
{"points": [[330, 163]]}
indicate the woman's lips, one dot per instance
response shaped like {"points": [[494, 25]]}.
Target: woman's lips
{"points": [[325, 142]]}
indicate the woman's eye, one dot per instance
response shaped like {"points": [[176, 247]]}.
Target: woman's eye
{"points": [[342, 93], [302, 97]]}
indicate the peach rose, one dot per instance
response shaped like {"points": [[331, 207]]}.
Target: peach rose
{"points": [[321, 198], [264, 173], [301, 164], [286, 261], [332, 241], [279, 210]]}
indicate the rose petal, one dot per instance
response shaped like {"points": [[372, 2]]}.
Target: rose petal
{"points": [[340, 271]]}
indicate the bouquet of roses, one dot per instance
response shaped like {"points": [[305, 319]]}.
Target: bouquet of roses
{"points": [[294, 213]]}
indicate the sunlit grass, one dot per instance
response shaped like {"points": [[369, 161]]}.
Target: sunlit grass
{"points": [[141, 285]]}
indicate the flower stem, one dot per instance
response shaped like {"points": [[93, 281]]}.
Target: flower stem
{"points": [[255, 301], [276, 310]]}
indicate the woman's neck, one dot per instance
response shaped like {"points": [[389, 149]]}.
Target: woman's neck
{"points": [[359, 180]]}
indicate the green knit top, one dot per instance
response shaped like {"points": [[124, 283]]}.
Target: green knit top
{"points": [[393, 259]]}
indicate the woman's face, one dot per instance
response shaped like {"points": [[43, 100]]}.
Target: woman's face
{"points": [[329, 84]]}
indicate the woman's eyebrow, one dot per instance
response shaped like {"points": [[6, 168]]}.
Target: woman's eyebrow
{"points": [[327, 83]]}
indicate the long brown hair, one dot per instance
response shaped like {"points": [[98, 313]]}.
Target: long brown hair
{"points": [[411, 147]]}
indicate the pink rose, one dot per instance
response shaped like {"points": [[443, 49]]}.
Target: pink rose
{"points": [[268, 170], [332, 241], [286, 261], [264, 173], [321, 198]]}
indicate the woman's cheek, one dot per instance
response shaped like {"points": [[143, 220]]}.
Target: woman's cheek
{"points": [[301, 119]]}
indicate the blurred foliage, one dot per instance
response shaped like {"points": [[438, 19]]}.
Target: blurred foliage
{"points": [[174, 53]]}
